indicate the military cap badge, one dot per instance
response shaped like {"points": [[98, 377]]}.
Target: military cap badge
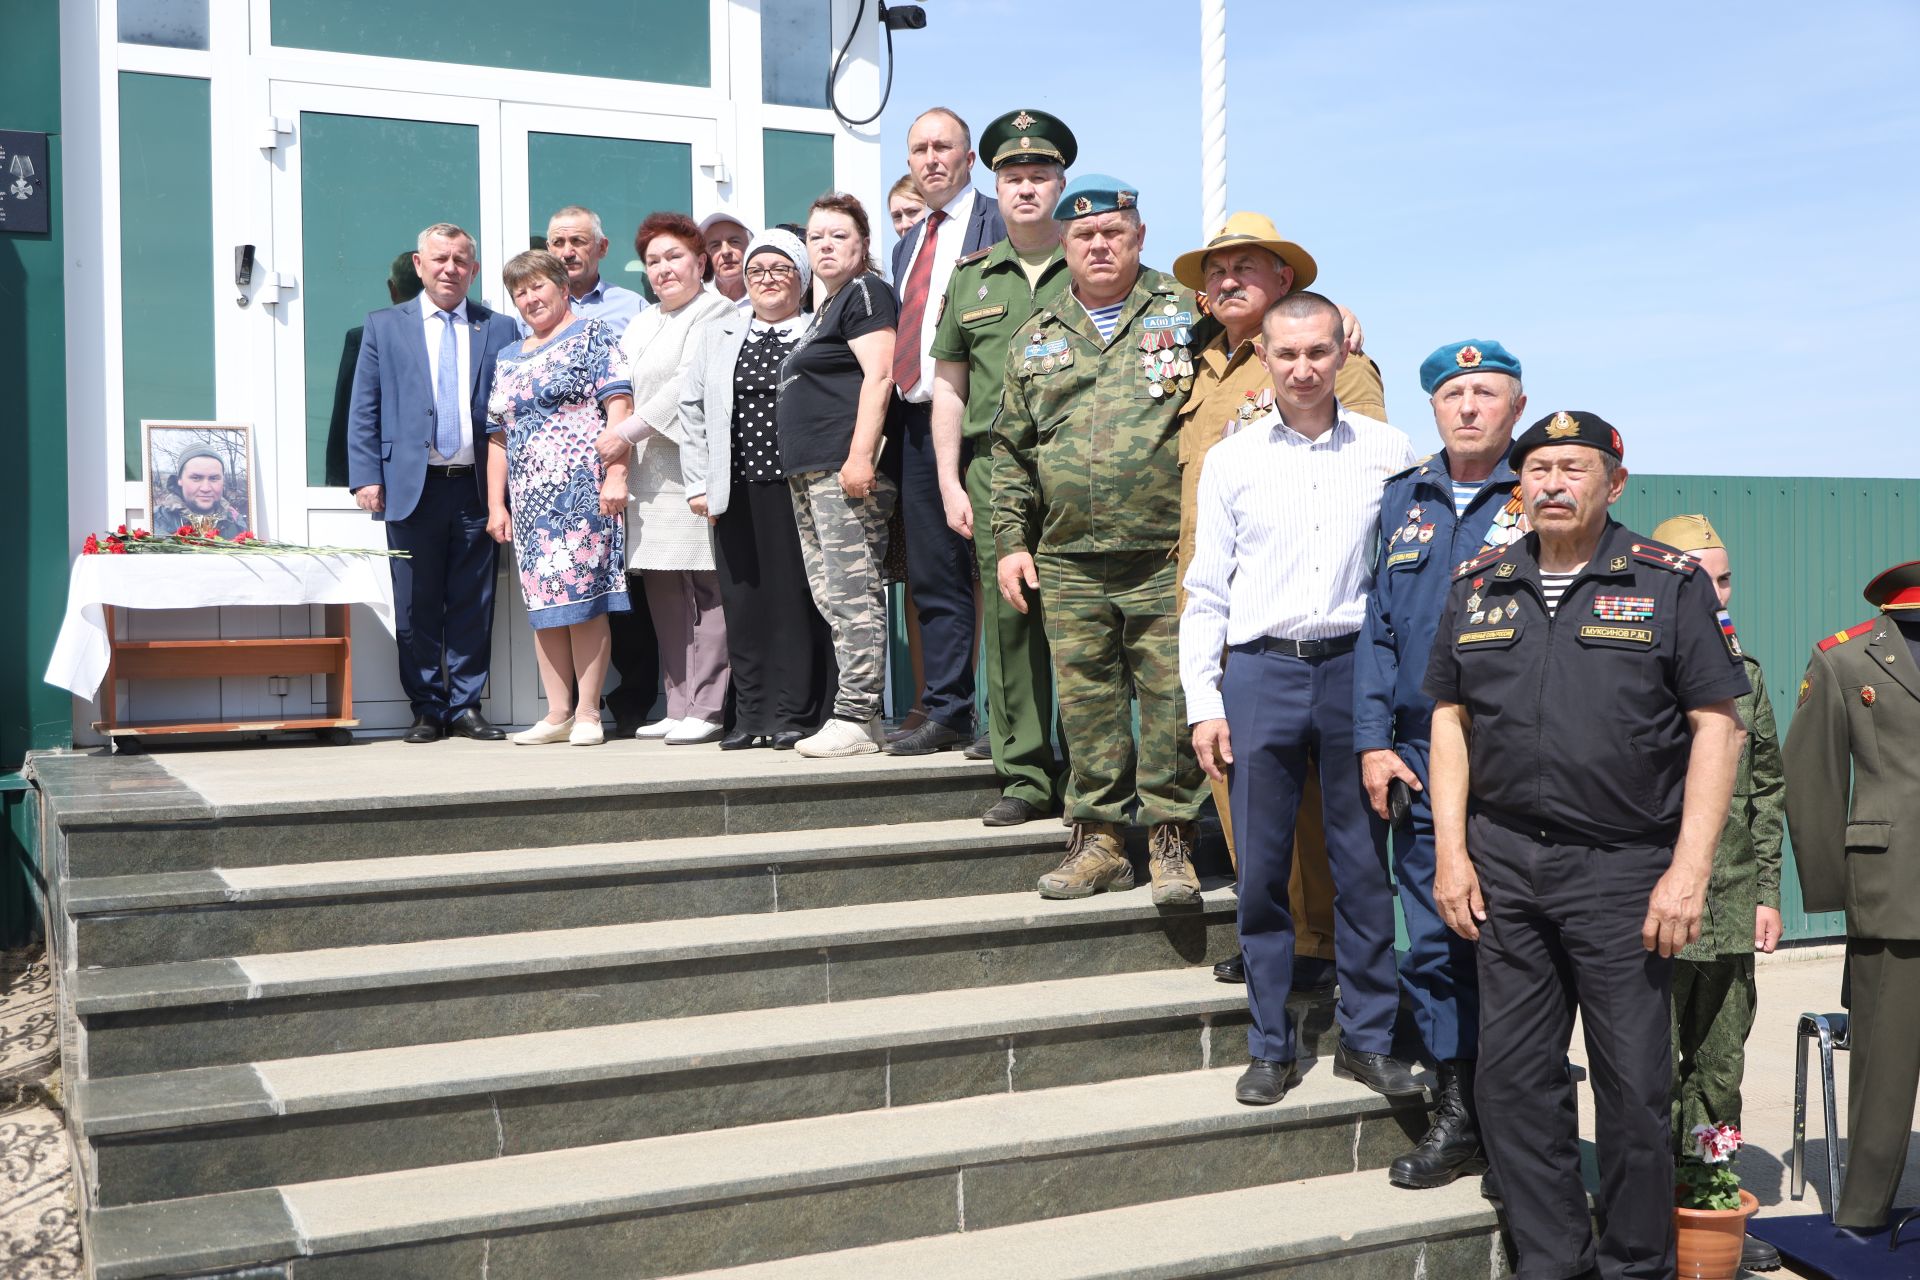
{"points": [[1467, 357], [1562, 426], [1123, 200], [1083, 205], [1023, 122]]}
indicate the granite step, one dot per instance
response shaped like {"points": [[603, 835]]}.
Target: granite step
{"points": [[239, 1009], [206, 913], [1343, 1224], [670, 1205], [211, 1129], [618, 795]]}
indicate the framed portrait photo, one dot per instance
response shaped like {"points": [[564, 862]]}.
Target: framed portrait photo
{"points": [[199, 474]]}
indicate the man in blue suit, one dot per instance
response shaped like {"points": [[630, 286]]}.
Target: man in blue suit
{"points": [[959, 221], [417, 460]]}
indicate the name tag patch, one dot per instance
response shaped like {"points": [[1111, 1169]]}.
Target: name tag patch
{"points": [[1638, 635], [1476, 637], [1401, 557], [982, 313]]}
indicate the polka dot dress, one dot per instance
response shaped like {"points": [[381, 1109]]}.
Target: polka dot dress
{"points": [[756, 378]]}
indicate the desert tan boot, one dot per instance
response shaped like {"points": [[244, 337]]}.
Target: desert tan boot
{"points": [[1170, 859], [1096, 859]]}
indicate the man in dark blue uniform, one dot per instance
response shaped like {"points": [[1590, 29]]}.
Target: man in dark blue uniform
{"points": [[1444, 510], [1584, 744]]}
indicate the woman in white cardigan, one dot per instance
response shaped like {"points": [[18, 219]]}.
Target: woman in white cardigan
{"points": [[667, 542]]}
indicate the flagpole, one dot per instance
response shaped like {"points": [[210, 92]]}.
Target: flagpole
{"points": [[1213, 116]]}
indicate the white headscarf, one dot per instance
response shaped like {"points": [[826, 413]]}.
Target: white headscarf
{"points": [[788, 246]]}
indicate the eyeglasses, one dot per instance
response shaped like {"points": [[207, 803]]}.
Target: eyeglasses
{"points": [[770, 273]]}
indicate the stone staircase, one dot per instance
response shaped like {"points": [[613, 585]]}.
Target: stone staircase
{"points": [[796, 1020]]}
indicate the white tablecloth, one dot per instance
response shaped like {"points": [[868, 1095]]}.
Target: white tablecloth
{"points": [[188, 581]]}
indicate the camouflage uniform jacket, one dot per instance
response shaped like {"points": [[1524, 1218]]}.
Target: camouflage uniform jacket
{"points": [[1746, 866], [1085, 457]]}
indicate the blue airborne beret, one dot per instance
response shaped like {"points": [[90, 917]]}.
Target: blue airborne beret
{"points": [[1092, 193], [1457, 358]]}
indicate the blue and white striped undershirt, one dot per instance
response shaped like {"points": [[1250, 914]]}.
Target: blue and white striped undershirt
{"points": [[1105, 318], [1553, 586], [1463, 491]]}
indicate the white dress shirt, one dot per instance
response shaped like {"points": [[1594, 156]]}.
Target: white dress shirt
{"points": [[433, 326], [946, 250], [1284, 542]]}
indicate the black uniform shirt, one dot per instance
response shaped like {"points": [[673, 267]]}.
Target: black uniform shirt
{"points": [[1579, 720]]}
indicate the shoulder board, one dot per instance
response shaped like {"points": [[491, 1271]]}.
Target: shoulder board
{"points": [[1479, 562], [1409, 469], [1664, 556], [976, 256], [1841, 637]]}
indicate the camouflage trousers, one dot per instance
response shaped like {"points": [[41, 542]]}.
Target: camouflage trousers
{"points": [[1115, 637], [843, 542], [1713, 1007]]}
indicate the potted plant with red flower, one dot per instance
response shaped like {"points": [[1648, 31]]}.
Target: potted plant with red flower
{"points": [[1710, 1207]]}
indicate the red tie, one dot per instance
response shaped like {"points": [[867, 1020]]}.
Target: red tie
{"points": [[913, 307]]}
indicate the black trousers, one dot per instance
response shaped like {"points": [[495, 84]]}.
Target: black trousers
{"points": [[635, 651], [778, 645], [940, 572], [443, 597], [1563, 933]]}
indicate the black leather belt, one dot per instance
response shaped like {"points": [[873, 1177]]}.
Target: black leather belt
{"points": [[1308, 648], [450, 471]]}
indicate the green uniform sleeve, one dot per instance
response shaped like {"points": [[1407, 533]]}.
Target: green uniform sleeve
{"points": [[1818, 762], [947, 337], [1768, 795], [1016, 489]]}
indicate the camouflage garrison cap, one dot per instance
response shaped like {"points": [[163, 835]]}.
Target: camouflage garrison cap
{"points": [[1028, 137]]}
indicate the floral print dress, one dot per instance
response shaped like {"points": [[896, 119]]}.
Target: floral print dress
{"points": [[549, 402]]}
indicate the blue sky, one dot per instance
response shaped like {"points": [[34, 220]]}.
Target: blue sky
{"points": [[1698, 221]]}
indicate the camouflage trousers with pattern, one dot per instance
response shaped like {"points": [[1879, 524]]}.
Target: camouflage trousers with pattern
{"points": [[843, 542], [1115, 638], [1713, 1008]]}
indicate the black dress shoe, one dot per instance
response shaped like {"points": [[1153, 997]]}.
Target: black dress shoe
{"points": [[1757, 1255], [738, 741], [927, 739], [1383, 1074], [471, 724], [979, 749], [1232, 969], [1265, 1082], [1312, 975], [787, 739], [423, 729], [1011, 811]]}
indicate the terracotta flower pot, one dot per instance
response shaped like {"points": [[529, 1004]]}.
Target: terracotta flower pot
{"points": [[1709, 1239]]}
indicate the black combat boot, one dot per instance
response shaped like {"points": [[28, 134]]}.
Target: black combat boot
{"points": [[1452, 1145]]}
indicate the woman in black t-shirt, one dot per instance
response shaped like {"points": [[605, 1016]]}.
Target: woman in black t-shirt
{"points": [[832, 405]]}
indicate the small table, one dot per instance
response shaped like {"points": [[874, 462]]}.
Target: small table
{"points": [[88, 657]]}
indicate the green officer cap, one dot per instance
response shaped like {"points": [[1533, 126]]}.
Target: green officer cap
{"points": [[1093, 193], [1028, 137]]}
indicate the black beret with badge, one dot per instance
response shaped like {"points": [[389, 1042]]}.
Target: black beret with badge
{"points": [[1568, 427], [1028, 137]]}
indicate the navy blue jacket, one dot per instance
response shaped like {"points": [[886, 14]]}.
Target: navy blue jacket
{"points": [[985, 229], [1421, 544]]}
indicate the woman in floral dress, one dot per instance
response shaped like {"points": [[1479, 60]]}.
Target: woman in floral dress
{"points": [[563, 508]]}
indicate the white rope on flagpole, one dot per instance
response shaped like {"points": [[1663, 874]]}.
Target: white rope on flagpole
{"points": [[1213, 116]]}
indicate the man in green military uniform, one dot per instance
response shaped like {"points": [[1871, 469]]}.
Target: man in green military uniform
{"points": [[1086, 510], [1858, 847], [988, 299], [1713, 987]]}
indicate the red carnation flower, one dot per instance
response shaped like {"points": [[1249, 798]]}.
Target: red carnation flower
{"points": [[91, 547]]}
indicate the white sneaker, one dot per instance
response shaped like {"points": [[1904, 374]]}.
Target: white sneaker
{"points": [[658, 729], [543, 732], [691, 732], [587, 733], [841, 738]]}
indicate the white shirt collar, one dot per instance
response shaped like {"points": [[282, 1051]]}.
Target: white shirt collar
{"points": [[1341, 433], [428, 310], [788, 329]]}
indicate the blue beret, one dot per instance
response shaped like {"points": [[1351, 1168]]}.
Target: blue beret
{"points": [[1092, 193], [1457, 358]]}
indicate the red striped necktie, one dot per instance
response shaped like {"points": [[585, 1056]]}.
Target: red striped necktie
{"points": [[913, 308]]}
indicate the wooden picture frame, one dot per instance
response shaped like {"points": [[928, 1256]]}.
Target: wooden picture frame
{"points": [[216, 493]]}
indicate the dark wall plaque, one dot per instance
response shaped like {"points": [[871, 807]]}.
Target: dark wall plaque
{"points": [[24, 194]]}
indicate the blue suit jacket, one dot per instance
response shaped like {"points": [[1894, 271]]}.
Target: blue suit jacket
{"points": [[985, 228], [391, 421]]}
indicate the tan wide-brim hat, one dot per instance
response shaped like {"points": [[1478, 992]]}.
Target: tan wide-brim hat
{"points": [[1246, 229]]}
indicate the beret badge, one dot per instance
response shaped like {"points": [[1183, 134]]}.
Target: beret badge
{"points": [[1123, 200], [1467, 357], [1023, 122], [1562, 426], [1083, 205]]}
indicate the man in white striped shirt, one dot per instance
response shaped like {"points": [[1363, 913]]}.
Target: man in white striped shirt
{"points": [[1289, 509]]}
